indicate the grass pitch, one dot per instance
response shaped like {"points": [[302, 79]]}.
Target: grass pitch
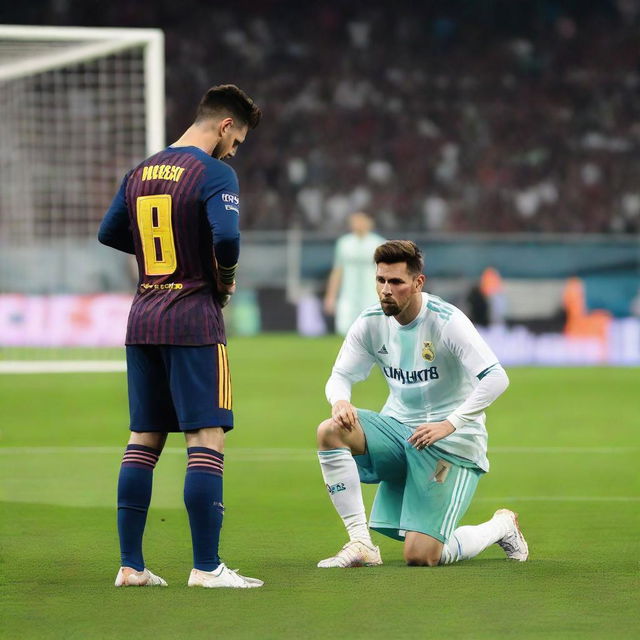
{"points": [[564, 445]]}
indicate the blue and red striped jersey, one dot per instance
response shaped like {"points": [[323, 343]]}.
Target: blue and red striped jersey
{"points": [[178, 212]]}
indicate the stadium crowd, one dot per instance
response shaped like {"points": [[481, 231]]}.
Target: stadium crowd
{"points": [[456, 116]]}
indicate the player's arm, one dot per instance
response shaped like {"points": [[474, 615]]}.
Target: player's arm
{"points": [[478, 359], [353, 364], [335, 279], [115, 229], [222, 204], [331, 295]]}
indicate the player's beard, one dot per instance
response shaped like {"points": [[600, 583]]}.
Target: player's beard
{"points": [[390, 307], [217, 151]]}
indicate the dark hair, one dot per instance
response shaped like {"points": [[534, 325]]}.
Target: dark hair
{"points": [[227, 99], [400, 251]]}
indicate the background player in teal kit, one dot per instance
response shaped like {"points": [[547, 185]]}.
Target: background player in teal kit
{"points": [[351, 284], [178, 212], [427, 447]]}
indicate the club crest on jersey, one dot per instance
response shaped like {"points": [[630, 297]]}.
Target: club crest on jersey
{"points": [[427, 351]]}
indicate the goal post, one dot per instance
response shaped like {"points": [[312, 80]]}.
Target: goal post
{"points": [[78, 108], [29, 51]]}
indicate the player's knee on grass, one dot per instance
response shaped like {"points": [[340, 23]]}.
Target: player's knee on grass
{"points": [[419, 561], [421, 550], [330, 435]]}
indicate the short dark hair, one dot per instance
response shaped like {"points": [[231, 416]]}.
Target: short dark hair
{"points": [[227, 99], [395, 251]]}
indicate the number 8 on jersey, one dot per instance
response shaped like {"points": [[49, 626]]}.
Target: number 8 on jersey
{"points": [[153, 214]]}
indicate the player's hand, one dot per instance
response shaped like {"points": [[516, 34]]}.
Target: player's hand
{"points": [[330, 306], [426, 434], [345, 414], [223, 300], [225, 291]]}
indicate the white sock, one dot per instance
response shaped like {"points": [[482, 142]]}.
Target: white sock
{"points": [[340, 474], [467, 542]]}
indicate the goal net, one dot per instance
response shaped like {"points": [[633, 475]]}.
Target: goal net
{"points": [[78, 108]]}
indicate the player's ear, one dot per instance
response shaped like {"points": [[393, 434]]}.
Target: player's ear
{"points": [[225, 125], [420, 280]]}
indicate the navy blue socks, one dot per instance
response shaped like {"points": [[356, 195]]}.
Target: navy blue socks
{"points": [[134, 495], [203, 500]]}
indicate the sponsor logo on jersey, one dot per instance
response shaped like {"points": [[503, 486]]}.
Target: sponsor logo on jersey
{"points": [[166, 285], [231, 198], [383, 351], [335, 488], [411, 377], [427, 351]]}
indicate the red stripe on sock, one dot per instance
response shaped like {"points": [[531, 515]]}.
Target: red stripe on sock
{"points": [[207, 460], [145, 454], [131, 457], [199, 463]]}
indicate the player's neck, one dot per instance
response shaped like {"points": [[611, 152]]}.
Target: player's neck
{"points": [[196, 136], [410, 313]]}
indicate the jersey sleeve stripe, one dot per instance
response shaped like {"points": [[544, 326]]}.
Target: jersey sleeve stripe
{"points": [[482, 374]]}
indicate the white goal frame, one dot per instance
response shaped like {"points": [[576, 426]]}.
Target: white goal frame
{"points": [[34, 50], [96, 42]]}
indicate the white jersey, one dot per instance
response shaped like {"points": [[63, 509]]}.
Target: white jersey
{"points": [[431, 365], [354, 255]]}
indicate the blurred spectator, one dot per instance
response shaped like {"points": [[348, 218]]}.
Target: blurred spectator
{"points": [[493, 292], [581, 322], [634, 307], [478, 307], [352, 286], [487, 116]]}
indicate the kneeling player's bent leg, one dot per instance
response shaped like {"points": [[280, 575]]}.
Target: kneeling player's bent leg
{"points": [[437, 494], [421, 550], [464, 543], [468, 541], [331, 435], [340, 473], [437, 505]]}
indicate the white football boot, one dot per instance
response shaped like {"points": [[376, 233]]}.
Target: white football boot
{"points": [[513, 542], [128, 577], [355, 553], [222, 577]]}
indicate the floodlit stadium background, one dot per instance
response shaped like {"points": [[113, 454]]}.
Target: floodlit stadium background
{"points": [[495, 134]]}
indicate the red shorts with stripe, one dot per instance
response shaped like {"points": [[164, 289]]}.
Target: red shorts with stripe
{"points": [[179, 388]]}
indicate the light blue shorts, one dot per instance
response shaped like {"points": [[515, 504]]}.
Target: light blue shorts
{"points": [[427, 491]]}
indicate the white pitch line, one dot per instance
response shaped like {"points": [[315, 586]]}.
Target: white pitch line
{"points": [[305, 455], [602, 450], [280, 454], [240, 455], [560, 499], [62, 366]]}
